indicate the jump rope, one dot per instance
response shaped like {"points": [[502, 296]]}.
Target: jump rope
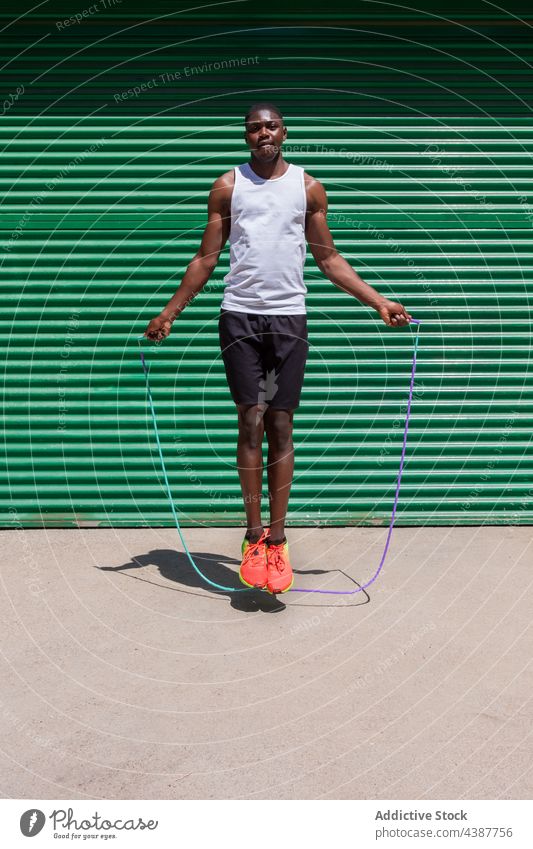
{"points": [[293, 589]]}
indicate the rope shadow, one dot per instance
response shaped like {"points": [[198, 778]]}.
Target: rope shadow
{"points": [[175, 567]]}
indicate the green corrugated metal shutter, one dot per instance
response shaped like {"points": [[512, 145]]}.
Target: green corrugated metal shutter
{"points": [[100, 215], [79, 443]]}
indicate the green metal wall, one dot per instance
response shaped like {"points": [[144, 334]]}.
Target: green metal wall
{"points": [[103, 203]]}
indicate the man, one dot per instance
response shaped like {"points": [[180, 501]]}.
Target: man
{"points": [[267, 208]]}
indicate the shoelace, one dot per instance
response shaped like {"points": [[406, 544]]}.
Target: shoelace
{"points": [[253, 547], [277, 551]]}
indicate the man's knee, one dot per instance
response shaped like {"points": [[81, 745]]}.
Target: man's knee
{"points": [[278, 425], [251, 427]]}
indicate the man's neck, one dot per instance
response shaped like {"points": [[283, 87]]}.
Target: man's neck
{"points": [[268, 170]]}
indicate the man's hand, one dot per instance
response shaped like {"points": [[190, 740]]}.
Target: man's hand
{"points": [[393, 313], [159, 327]]}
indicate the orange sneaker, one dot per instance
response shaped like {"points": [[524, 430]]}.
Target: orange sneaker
{"points": [[253, 571], [279, 571]]}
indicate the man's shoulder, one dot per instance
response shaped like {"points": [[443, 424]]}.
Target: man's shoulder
{"points": [[310, 181], [226, 180], [222, 191], [314, 192]]}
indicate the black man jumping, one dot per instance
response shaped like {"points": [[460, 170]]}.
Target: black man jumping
{"points": [[268, 208]]}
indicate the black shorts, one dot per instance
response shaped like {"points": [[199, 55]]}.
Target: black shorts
{"points": [[264, 357]]}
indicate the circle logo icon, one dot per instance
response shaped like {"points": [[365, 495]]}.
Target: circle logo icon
{"points": [[32, 822]]}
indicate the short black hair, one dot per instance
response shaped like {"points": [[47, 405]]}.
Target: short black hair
{"points": [[255, 107]]}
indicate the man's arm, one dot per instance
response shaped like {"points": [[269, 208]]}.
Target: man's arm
{"points": [[335, 267], [204, 262]]}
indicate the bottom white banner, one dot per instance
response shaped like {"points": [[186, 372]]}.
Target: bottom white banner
{"points": [[313, 823]]}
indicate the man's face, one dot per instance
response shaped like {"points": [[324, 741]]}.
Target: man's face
{"points": [[264, 134]]}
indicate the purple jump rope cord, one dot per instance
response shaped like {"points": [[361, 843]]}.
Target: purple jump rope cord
{"points": [[293, 589]]}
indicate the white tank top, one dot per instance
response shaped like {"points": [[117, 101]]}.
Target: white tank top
{"points": [[267, 243]]}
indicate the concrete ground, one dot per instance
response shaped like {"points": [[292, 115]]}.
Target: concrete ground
{"points": [[124, 677]]}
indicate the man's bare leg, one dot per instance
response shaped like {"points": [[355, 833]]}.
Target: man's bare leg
{"points": [[250, 465], [280, 468]]}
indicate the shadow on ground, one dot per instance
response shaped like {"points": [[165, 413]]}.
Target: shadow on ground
{"points": [[175, 566]]}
